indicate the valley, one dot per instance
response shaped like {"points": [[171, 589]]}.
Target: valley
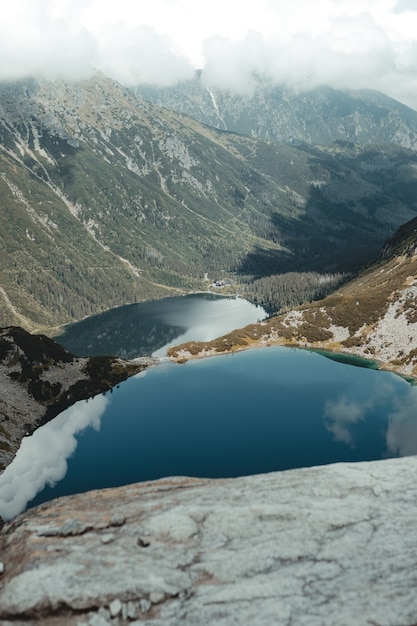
{"points": [[109, 200]]}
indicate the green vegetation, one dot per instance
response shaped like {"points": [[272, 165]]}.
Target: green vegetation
{"points": [[283, 292]]}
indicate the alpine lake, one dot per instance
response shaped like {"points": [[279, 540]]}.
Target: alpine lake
{"points": [[255, 411]]}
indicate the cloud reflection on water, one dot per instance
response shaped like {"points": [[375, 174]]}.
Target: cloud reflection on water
{"points": [[205, 320], [340, 415], [401, 434], [42, 458]]}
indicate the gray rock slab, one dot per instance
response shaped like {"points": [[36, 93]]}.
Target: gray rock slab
{"points": [[330, 545]]}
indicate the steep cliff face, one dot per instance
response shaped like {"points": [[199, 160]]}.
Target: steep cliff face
{"points": [[324, 545]]}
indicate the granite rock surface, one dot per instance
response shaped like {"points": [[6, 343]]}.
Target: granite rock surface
{"points": [[324, 545]]}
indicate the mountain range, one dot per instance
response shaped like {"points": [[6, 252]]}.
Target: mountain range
{"points": [[107, 199], [318, 116]]}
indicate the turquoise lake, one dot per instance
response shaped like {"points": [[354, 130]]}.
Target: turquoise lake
{"points": [[260, 410], [256, 411]]}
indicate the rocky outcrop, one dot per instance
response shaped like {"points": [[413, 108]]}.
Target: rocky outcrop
{"points": [[324, 545], [39, 379], [321, 115]]}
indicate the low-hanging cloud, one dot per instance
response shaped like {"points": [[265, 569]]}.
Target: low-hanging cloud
{"points": [[140, 55], [38, 40], [42, 458], [342, 43], [354, 53]]}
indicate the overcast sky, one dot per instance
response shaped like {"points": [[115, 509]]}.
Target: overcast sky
{"points": [[302, 43]]}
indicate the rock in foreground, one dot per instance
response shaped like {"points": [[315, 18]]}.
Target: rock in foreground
{"points": [[324, 545]]}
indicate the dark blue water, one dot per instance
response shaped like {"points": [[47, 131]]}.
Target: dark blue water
{"points": [[149, 328], [256, 411]]}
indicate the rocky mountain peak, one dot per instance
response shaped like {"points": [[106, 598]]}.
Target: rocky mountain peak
{"points": [[321, 115]]}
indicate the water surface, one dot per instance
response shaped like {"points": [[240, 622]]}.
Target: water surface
{"points": [[256, 411], [149, 328]]}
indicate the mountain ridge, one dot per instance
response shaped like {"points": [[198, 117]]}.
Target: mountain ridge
{"points": [[321, 115]]}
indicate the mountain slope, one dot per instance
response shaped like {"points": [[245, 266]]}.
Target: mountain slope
{"points": [[106, 199], [320, 116], [39, 379], [373, 316]]}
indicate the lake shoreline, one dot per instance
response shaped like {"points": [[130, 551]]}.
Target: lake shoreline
{"points": [[344, 356]]}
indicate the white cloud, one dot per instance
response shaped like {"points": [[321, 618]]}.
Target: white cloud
{"points": [[345, 43], [42, 458], [140, 55]]}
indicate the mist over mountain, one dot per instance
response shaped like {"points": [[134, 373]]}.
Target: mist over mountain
{"points": [[321, 115], [107, 199]]}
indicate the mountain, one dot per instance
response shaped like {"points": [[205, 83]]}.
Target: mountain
{"points": [[106, 199], [319, 116], [373, 316]]}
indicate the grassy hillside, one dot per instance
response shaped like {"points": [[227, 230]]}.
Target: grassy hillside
{"points": [[373, 316]]}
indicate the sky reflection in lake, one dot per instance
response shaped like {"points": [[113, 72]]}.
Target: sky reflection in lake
{"points": [[42, 458], [149, 328], [256, 411]]}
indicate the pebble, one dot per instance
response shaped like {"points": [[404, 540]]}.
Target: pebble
{"points": [[98, 620], [108, 538], [145, 605], [156, 598], [132, 610], [142, 543], [115, 608], [1, 567], [117, 519]]}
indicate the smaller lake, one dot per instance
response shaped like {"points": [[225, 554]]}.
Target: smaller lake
{"points": [[149, 328], [256, 411]]}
